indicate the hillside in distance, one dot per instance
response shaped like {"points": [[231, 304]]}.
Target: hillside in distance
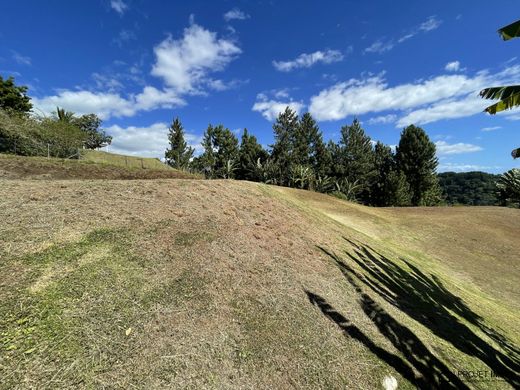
{"points": [[220, 284]]}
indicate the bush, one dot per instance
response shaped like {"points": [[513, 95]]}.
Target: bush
{"points": [[33, 136]]}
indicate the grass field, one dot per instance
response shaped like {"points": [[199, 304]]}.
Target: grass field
{"points": [[225, 284]]}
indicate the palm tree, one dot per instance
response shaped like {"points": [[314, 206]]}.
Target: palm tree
{"points": [[509, 95]]}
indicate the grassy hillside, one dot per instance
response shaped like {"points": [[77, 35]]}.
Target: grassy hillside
{"points": [[220, 284], [94, 165], [120, 160]]}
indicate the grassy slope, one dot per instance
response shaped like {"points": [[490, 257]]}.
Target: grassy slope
{"points": [[232, 284], [97, 165], [120, 160]]}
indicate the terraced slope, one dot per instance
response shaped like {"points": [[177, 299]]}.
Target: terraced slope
{"points": [[224, 284]]}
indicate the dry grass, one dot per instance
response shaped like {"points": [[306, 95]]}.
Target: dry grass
{"points": [[100, 157], [42, 168], [223, 284]]}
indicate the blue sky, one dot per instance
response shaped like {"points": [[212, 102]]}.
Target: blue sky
{"points": [[139, 63]]}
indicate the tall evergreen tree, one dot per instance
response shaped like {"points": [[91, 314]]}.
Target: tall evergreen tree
{"points": [[309, 148], [179, 154], [251, 153], [220, 157], [356, 158], [416, 159], [284, 128], [389, 187]]}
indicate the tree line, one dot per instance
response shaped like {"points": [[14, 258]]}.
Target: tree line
{"points": [[354, 168]]}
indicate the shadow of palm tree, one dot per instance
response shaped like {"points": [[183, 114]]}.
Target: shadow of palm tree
{"points": [[425, 299], [432, 373]]}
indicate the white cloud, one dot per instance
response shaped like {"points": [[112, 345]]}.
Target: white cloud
{"points": [[20, 59], [107, 105], [452, 66], [455, 167], [119, 6], [147, 141], [390, 118], [432, 23], [441, 97], [185, 63], [235, 14], [306, 60], [382, 45], [444, 148], [270, 108], [493, 128]]}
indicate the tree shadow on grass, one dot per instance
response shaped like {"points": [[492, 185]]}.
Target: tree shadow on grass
{"points": [[425, 299]]}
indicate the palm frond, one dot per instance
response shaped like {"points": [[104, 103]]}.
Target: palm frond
{"points": [[509, 96], [510, 31]]}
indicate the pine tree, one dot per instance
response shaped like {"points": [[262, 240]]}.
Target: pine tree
{"points": [[250, 155], [356, 159], [284, 128], [220, 157], [389, 187], [416, 159], [179, 153], [309, 148]]}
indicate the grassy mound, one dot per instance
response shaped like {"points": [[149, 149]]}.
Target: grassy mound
{"points": [[220, 284], [94, 165]]}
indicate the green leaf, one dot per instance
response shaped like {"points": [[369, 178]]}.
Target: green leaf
{"points": [[505, 104], [510, 31]]}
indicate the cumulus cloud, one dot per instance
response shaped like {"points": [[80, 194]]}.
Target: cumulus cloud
{"points": [[306, 60], [185, 63], [444, 148], [119, 6], [441, 97], [107, 105], [270, 108], [146, 141], [452, 66], [235, 14]]}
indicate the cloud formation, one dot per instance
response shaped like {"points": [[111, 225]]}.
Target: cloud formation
{"points": [[271, 108], [444, 148], [235, 14], [146, 141], [119, 6], [452, 66], [306, 60], [441, 97], [184, 64]]}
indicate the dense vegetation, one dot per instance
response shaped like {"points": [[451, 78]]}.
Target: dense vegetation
{"points": [[352, 169], [28, 135], [355, 168], [469, 188]]}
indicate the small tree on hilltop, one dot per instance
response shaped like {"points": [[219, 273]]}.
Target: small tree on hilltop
{"points": [[251, 154], [284, 128], [13, 98], [179, 154], [90, 124], [416, 159]]}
